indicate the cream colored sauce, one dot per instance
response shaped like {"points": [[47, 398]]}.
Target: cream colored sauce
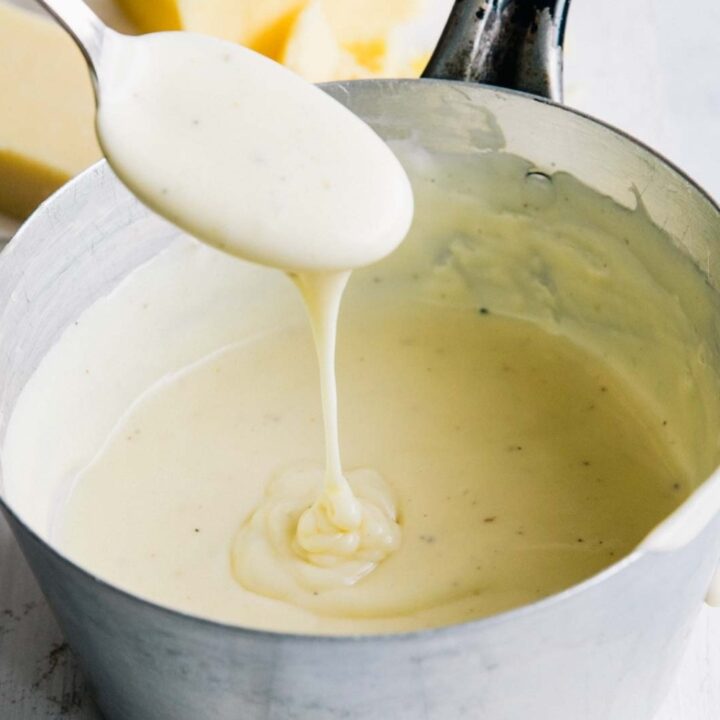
{"points": [[254, 161], [526, 448], [299, 541], [520, 466]]}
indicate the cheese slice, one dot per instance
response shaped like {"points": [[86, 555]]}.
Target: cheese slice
{"points": [[47, 110]]}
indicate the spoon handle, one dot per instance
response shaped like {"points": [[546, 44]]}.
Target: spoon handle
{"points": [[85, 27]]}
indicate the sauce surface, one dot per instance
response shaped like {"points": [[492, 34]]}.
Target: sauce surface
{"points": [[519, 465]]}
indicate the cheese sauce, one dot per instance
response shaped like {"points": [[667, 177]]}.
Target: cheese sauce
{"points": [[518, 465]]}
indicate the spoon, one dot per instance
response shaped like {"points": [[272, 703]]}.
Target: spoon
{"points": [[239, 151]]}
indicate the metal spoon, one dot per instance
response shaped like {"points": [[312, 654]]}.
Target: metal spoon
{"points": [[85, 28], [239, 151]]}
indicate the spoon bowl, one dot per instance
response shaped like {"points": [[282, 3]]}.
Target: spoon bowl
{"points": [[239, 151]]}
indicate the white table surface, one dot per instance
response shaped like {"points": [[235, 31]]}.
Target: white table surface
{"points": [[647, 66]]}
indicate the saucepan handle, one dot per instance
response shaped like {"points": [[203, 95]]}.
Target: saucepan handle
{"points": [[515, 44]]}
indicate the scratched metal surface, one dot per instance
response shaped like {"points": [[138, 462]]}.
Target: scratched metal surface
{"points": [[39, 678]]}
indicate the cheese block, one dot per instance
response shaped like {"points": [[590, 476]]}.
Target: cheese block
{"points": [[313, 51], [347, 40], [47, 110], [366, 29], [260, 24], [109, 12], [319, 39], [154, 15]]}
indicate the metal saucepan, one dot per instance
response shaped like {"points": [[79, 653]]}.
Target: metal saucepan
{"points": [[602, 650]]}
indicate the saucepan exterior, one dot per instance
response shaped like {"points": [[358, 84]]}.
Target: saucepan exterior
{"points": [[602, 650]]}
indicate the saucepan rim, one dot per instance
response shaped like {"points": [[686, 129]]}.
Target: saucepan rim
{"points": [[414, 635]]}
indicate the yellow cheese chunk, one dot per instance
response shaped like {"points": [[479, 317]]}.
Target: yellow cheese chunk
{"points": [[313, 51], [47, 132], [154, 15], [260, 24], [271, 39], [333, 40], [321, 40], [111, 14], [368, 21]]}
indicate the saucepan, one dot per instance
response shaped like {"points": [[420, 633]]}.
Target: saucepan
{"points": [[602, 650]]}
